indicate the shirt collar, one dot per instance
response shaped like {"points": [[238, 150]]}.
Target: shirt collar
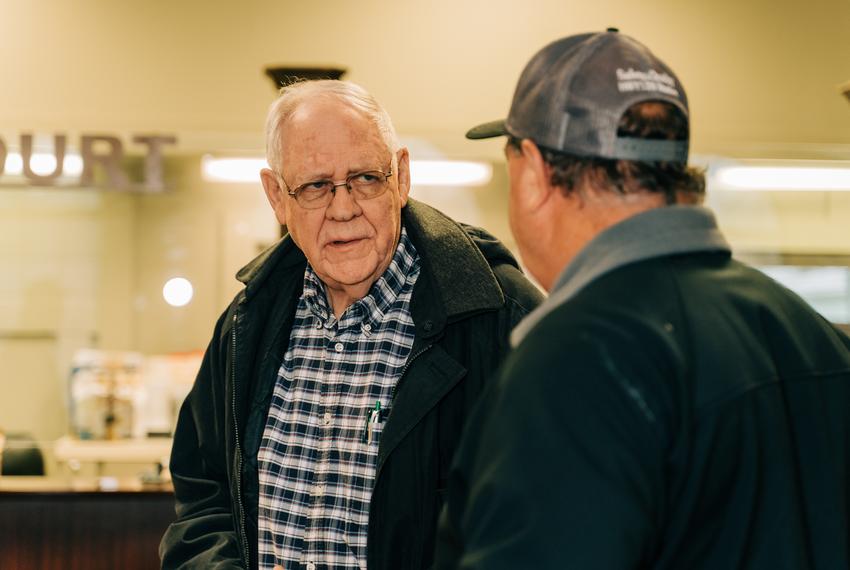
{"points": [[658, 232], [370, 309]]}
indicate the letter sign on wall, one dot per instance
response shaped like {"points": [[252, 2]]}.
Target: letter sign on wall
{"points": [[104, 152]]}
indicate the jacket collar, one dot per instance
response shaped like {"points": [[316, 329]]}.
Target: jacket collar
{"points": [[460, 280], [284, 253], [461, 275], [671, 230]]}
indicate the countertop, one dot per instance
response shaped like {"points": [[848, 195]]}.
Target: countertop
{"points": [[74, 485]]}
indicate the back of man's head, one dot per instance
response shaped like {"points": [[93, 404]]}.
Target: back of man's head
{"points": [[605, 111]]}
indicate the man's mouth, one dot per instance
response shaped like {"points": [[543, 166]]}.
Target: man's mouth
{"points": [[344, 242]]}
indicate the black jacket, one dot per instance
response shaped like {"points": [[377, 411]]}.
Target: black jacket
{"points": [[680, 412], [469, 295]]}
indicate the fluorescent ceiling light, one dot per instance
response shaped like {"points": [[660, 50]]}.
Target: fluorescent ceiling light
{"points": [[422, 172], [43, 163], [232, 169], [449, 173], [813, 178]]}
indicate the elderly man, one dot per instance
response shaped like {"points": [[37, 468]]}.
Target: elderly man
{"points": [[667, 406], [321, 427]]}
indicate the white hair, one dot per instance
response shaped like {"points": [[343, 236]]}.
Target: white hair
{"points": [[291, 96]]}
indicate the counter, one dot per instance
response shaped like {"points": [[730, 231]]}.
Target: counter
{"points": [[75, 524]]}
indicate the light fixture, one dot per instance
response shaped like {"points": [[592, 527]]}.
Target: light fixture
{"points": [[287, 74], [43, 163], [177, 291], [422, 172], [796, 177], [242, 170], [449, 173]]}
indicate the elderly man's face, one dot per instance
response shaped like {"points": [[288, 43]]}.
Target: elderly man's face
{"points": [[350, 242]]}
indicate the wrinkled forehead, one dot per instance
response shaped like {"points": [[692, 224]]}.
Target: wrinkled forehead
{"points": [[329, 131]]}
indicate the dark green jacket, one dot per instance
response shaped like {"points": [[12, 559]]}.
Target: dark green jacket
{"points": [[679, 412], [469, 295]]}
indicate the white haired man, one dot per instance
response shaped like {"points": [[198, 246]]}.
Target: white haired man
{"points": [[320, 430]]}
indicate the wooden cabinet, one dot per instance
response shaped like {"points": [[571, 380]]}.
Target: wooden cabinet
{"points": [[73, 525]]}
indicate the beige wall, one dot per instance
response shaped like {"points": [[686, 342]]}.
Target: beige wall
{"points": [[86, 267], [758, 73], [204, 232], [63, 254], [788, 222]]}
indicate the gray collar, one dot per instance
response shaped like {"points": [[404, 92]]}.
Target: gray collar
{"points": [[655, 233]]}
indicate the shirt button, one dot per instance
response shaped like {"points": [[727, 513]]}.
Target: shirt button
{"points": [[338, 347], [319, 489], [327, 419], [311, 566], [367, 327]]}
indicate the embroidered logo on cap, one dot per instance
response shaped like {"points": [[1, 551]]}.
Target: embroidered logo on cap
{"points": [[631, 80]]}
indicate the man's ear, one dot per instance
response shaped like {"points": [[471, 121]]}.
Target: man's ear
{"points": [[275, 194], [537, 176], [403, 168]]}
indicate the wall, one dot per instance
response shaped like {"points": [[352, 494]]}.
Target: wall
{"points": [[788, 222], [204, 232], [67, 279], [85, 268], [763, 71]]}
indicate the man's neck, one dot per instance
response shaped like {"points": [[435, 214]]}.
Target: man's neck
{"points": [[588, 215], [343, 296]]}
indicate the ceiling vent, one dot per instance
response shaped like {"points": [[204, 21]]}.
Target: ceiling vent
{"points": [[282, 76]]}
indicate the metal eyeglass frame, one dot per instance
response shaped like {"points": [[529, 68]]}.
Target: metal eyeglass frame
{"points": [[334, 185]]}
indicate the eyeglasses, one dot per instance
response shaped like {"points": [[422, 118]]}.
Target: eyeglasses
{"points": [[361, 185]]}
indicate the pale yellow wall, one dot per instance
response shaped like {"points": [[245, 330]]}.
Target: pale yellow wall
{"points": [[84, 267], [66, 282], [787, 222], [760, 72], [204, 232]]}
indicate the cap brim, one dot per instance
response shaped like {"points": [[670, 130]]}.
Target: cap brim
{"points": [[487, 130]]}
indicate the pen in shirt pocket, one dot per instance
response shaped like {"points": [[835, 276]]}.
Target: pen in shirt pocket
{"points": [[373, 416]]}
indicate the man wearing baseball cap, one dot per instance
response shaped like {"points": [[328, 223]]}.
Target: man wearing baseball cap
{"points": [[667, 406]]}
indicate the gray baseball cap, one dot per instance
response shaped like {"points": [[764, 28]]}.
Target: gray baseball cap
{"points": [[572, 94]]}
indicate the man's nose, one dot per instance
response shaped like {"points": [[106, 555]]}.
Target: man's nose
{"points": [[343, 206]]}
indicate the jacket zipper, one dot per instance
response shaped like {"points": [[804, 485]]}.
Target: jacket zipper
{"points": [[410, 360], [242, 533], [404, 370], [395, 388]]}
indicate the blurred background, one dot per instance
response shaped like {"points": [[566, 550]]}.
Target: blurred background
{"points": [[115, 269]]}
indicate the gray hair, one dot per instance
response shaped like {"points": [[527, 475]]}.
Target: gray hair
{"points": [[291, 96]]}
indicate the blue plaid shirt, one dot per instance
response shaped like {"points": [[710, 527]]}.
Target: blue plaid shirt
{"points": [[319, 450]]}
